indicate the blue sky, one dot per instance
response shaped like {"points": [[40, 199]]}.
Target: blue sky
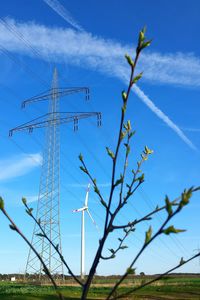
{"points": [[87, 42]]}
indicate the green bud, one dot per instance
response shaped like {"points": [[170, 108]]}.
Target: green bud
{"points": [[12, 227], [141, 36], [144, 157], [80, 157], [182, 261], [103, 203], [110, 153], [130, 270], [1, 203], [40, 234], [29, 211], [123, 247], [112, 251], [24, 201], [123, 135], [119, 181], [124, 96], [168, 206], [131, 134], [83, 169], [146, 44], [148, 235], [96, 190], [129, 60], [136, 78], [128, 125], [141, 178]]}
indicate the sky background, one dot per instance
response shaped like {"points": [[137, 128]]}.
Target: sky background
{"points": [[87, 41]]}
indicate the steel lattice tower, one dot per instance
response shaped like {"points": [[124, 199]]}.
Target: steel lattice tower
{"points": [[49, 191]]}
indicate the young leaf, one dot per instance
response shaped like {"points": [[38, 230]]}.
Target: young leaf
{"points": [[147, 151], [168, 206], [185, 197], [148, 235], [171, 229]]}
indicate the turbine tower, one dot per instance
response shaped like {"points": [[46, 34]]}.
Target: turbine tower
{"points": [[83, 209], [49, 191]]}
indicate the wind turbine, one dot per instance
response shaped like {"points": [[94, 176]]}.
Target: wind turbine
{"points": [[83, 210]]}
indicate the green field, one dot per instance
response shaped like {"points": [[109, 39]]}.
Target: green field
{"points": [[177, 288]]}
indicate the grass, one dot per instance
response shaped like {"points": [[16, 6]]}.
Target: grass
{"points": [[176, 288]]}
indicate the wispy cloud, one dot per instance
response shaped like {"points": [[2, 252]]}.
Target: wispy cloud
{"points": [[106, 56], [61, 10], [19, 165]]}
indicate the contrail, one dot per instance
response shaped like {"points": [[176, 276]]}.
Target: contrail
{"points": [[61, 11], [162, 116]]}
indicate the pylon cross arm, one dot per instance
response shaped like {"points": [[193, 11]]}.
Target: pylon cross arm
{"points": [[56, 92], [56, 118]]}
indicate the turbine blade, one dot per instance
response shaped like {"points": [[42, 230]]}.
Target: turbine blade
{"points": [[93, 221], [78, 210], [87, 194]]}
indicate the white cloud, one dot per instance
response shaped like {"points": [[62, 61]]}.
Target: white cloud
{"points": [[61, 11], [106, 56], [19, 165]]}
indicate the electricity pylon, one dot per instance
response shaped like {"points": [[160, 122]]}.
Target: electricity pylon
{"points": [[48, 204]]}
